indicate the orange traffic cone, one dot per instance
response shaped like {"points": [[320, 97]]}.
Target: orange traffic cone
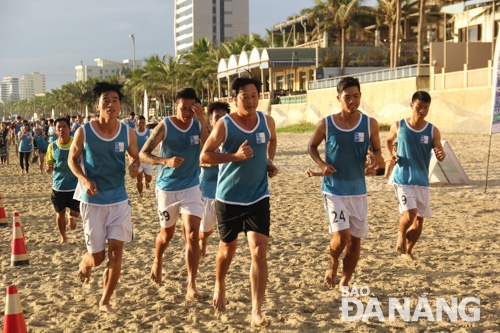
{"points": [[14, 317], [19, 253], [3, 217]]}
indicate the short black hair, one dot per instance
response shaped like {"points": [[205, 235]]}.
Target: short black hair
{"points": [[347, 82], [421, 96], [102, 87], [241, 82], [132, 114], [218, 106], [64, 119], [142, 118], [186, 93]]}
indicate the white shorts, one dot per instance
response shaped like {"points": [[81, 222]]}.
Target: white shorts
{"points": [[106, 222], [171, 204], [347, 213], [209, 218], [414, 197], [146, 168]]}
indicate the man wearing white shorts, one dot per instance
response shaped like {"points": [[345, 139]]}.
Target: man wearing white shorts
{"points": [[104, 205], [347, 135], [208, 181], [416, 139], [177, 180], [145, 169]]}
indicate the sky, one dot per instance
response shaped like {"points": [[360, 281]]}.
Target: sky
{"points": [[54, 36]]}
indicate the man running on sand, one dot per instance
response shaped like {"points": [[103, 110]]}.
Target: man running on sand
{"points": [[248, 140], [177, 181], [347, 135], [416, 139], [104, 205]]}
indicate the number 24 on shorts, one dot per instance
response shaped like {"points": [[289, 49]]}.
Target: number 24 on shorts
{"points": [[338, 216]]}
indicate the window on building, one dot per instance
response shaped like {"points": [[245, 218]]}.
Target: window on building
{"points": [[474, 34], [290, 80], [280, 82]]}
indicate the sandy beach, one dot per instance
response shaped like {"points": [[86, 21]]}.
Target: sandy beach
{"points": [[458, 257]]}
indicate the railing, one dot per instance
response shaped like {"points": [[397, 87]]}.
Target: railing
{"points": [[481, 77], [381, 75], [293, 99]]}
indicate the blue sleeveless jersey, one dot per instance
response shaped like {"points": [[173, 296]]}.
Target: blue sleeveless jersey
{"points": [[63, 180], [52, 131], [25, 144], [185, 144], [41, 143], [131, 123], [244, 183], [104, 164], [346, 150], [414, 153], [208, 181], [18, 128], [142, 137]]}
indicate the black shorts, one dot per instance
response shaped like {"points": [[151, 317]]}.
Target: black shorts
{"points": [[232, 219], [61, 200]]}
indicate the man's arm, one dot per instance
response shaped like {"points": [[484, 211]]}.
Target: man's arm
{"points": [[210, 153], [318, 137], [49, 159], [389, 141], [75, 151], [146, 154], [375, 140], [198, 112], [272, 170], [436, 145], [133, 153]]}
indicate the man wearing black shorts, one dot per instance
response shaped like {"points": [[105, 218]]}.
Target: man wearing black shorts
{"points": [[248, 143], [63, 181]]}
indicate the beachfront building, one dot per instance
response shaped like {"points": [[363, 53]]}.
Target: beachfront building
{"points": [[217, 20], [9, 89], [105, 69], [31, 85]]}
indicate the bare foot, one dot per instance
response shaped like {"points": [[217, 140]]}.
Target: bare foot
{"points": [[156, 271], [258, 321], [193, 295], [203, 246], [409, 256], [63, 239], [147, 185], [401, 243], [344, 285], [331, 274], [84, 272], [219, 300], [72, 223], [106, 308]]}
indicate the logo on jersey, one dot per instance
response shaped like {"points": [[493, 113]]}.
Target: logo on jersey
{"points": [[424, 139], [194, 139], [260, 137], [119, 147], [359, 137]]}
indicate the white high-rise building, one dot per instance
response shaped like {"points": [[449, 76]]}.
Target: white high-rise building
{"points": [[218, 20], [9, 89], [105, 69], [31, 85]]}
